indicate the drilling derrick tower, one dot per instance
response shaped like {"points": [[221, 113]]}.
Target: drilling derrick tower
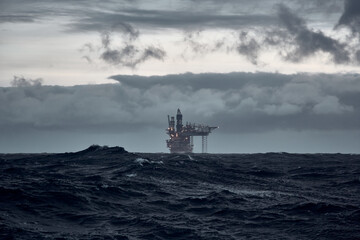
{"points": [[181, 137]]}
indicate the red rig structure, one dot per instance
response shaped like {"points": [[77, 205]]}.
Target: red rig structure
{"points": [[181, 138]]}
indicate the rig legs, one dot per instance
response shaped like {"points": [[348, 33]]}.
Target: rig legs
{"points": [[204, 144]]}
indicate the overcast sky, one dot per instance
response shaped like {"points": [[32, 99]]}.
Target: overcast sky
{"points": [[273, 75]]}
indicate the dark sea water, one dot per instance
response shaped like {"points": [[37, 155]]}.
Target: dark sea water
{"points": [[106, 193]]}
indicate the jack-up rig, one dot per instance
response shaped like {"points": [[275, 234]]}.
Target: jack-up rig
{"points": [[181, 138]]}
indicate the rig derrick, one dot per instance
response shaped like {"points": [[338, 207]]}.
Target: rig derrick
{"points": [[181, 136]]}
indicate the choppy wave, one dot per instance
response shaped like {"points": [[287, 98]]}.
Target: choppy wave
{"points": [[108, 193]]}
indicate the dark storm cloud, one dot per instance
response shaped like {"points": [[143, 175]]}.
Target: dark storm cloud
{"points": [[20, 11], [238, 102], [357, 55], [115, 26], [87, 49], [296, 42], [301, 6], [293, 40], [45, 10], [351, 15], [170, 19], [249, 47], [20, 81], [196, 82], [152, 52], [82, 108], [16, 18], [308, 42], [128, 54], [90, 16], [261, 101], [105, 39], [131, 56]]}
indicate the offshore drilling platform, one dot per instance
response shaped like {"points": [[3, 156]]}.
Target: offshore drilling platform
{"points": [[181, 137]]}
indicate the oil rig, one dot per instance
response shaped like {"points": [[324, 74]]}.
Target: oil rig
{"points": [[181, 137]]}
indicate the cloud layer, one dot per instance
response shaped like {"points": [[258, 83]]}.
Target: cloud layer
{"points": [[259, 27], [238, 102], [307, 42], [351, 15]]}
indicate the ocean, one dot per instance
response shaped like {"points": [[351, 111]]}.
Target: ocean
{"points": [[108, 193]]}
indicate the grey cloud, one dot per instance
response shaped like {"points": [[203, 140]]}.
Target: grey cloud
{"points": [[128, 54], [331, 104], [170, 19], [324, 8], [249, 47], [351, 15], [309, 8], [43, 10], [276, 37], [91, 15], [105, 26], [191, 39], [105, 39], [195, 82], [261, 101], [123, 57], [20, 81], [115, 56], [81, 108], [357, 55], [294, 41], [131, 56], [307, 41], [126, 28], [17, 18], [238, 102], [21, 11], [121, 16], [88, 59], [87, 47], [152, 52], [199, 45]]}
